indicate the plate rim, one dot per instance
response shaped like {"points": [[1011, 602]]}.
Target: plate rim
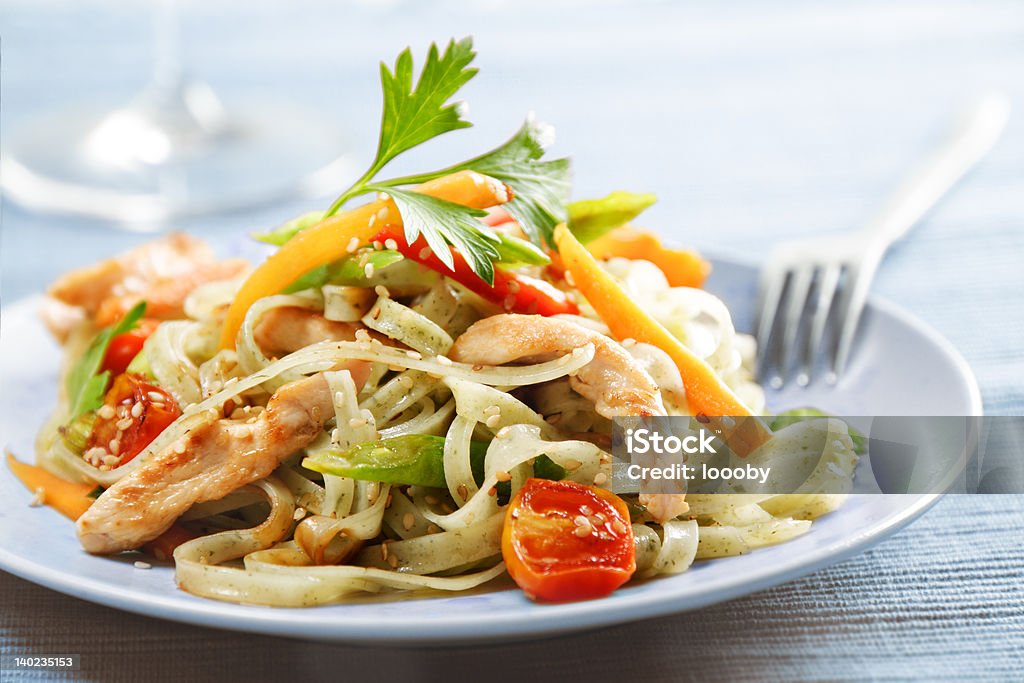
{"points": [[563, 618]]}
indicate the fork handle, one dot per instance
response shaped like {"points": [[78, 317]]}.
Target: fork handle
{"points": [[981, 127]]}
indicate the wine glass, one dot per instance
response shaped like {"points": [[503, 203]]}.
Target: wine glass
{"points": [[175, 150]]}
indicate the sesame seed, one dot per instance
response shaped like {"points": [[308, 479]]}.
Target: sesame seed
{"points": [[444, 360], [628, 342], [106, 412], [509, 302], [155, 396], [299, 514], [111, 459], [368, 270], [377, 246], [572, 464], [357, 422], [583, 531], [157, 405], [382, 291], [430, 500], [382, 215], [553, 419], [180, 447], [569, 279], [353, 244], [415, 355], [492, 410], [408, 519], [447, 509], [391, 244], [339, 398], [462, 491], [600, 478], [396, 368], [384, 550], [335, 434], [477, 367], [433, 529], [143, 565], [581, 520], [124, 424], [493, 421], [39, 497], [513, 287], [493, 491], [425, 253], [502, 475], [137, 410], [114, 446], [393, 562], [619, 526], [362, 335]]}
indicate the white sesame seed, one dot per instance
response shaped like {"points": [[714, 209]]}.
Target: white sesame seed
{"points": [[408, 519], [353, 244], [462, 491], [106, 412], [137, 410], [492, 410], [391, 244], [114, 446], [433, 529], [582, 531], [430, 500], [299, 514], [357, 422], [502, 476], [569, 279], [572, 464], [444, 360], [143, 565], [124, 424], [111, 459], [600, 478], [180, 447], [493, 421], [628, 342], [362, 335], [39, 497], [368, 270], [415, 355], [425, 253], [155, 396], [382, 291], [339, 398]]}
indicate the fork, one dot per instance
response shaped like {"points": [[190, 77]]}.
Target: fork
{"points": [[827, 278]]}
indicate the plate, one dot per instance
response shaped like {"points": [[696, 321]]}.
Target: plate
{"points": [[901, 367]]}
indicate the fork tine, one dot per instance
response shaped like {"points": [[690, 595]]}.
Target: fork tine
{"points": [[773, 283], [800, 285], [827, 285], [859, 278]]}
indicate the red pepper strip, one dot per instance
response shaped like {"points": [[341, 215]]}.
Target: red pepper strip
{"points": [[512, 291]]}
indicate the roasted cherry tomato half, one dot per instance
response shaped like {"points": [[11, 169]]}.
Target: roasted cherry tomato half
{"points": [[567, 541], [134, 412], [124, 347]]}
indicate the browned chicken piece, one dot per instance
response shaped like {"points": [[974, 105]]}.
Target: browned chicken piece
{"points": [[613, 380], [162, 272], [207, 464], [289, 328]]}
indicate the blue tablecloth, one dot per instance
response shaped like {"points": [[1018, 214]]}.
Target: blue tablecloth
{"points": [[753, 123]]}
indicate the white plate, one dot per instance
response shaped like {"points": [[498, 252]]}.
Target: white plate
{"points": [[901, 367]]}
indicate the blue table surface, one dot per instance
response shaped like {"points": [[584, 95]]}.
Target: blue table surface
{"points": [[752, 122]]}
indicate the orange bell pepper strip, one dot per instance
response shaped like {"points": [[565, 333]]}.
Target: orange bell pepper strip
{"points": [[682, 267], [707, 395], [332, 238], [68, 498], [163, 546]]}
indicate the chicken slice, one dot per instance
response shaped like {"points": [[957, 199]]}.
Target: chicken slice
{"points": [[162, 273], [207, 464]]}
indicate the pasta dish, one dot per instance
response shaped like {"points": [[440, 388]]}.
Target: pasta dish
{"points": [[414, 391]]}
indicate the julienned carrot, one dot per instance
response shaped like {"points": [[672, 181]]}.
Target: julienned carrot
{"points": [[163, 546], [69, 498], [706, 394], [682, 267], [335, 237]]}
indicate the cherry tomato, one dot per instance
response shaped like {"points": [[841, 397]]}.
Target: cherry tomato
{"points": [[124, 347], [567, 541], [132, 428]]}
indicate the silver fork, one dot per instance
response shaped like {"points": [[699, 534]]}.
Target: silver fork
{"points": [[828, 278]]}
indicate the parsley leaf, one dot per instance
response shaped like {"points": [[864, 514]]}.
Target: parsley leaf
{"points": [[591, 218], [84, 386], [442, 223], [414, 114]]}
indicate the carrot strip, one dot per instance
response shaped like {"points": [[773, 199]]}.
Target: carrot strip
{"points": [[163, 546], [706, 394], [682, 267], [330, 240], [69, 498]]}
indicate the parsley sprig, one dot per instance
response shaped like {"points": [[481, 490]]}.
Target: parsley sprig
{"points": [[85, 383], [415, 112]]}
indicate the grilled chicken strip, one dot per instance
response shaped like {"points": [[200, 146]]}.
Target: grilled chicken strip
{"points": [[615, 381], [207, 464], [289, 328], [162, 273]]}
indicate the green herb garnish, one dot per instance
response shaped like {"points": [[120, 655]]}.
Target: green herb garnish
{"points": [[592, 218]]}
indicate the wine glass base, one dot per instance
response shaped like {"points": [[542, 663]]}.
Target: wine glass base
{"points": [[119, 166]]}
